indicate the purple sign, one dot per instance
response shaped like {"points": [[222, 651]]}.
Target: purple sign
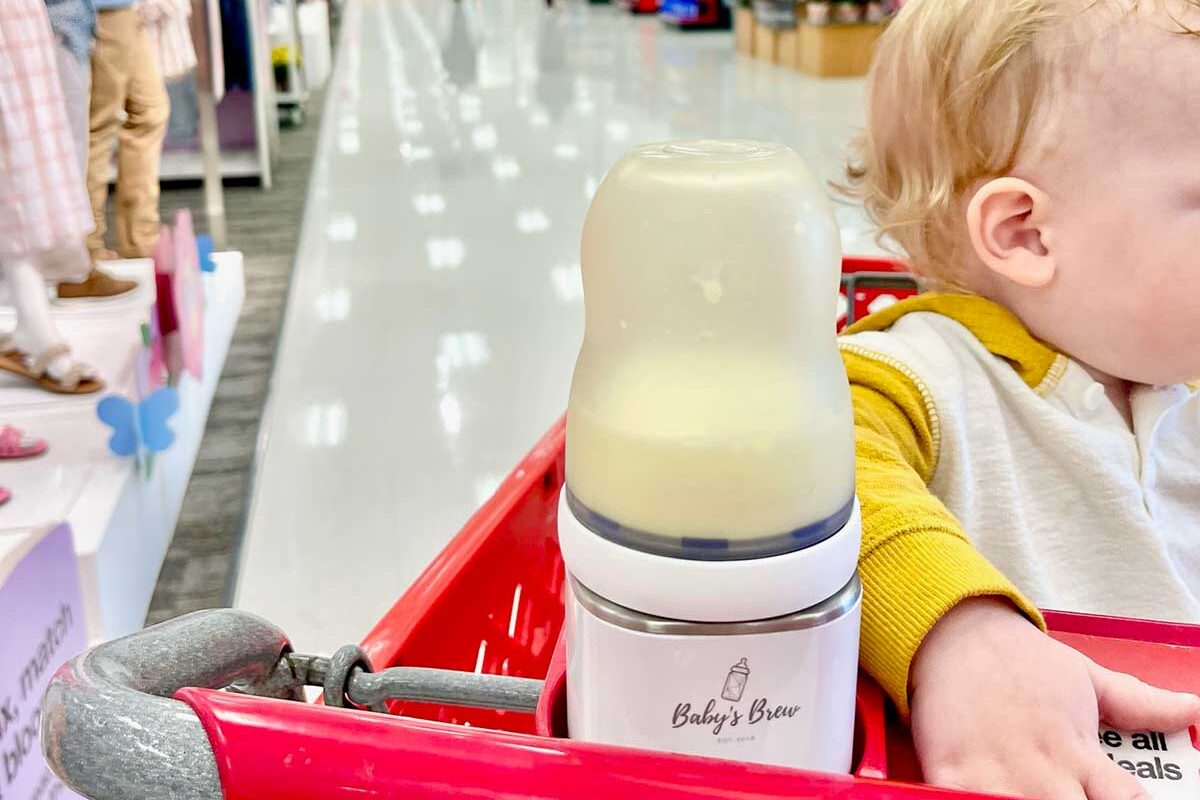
{"points": [[41, 626]]}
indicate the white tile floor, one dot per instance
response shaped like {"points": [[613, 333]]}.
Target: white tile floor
{"points": [[436, 307]]}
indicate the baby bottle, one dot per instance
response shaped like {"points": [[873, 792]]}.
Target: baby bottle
{"points": [[735, 684], [708, 517]]}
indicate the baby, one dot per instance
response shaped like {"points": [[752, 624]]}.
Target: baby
{"points": [[1026, 436]]}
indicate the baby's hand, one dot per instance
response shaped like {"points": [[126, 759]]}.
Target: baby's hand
{"points": [[999, 707]]}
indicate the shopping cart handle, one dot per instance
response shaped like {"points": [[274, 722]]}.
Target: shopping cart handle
{"points": [[110, 729]]}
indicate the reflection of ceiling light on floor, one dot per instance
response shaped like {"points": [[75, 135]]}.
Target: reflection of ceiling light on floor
{"points": [[568, 283], [349, 142], [532, 220], [462, 349], [505, 168], [415, 152], [584, 107], [485, 487], [589, 187], [539, 119], [413, 127], [470, 109], [348, 122], [457, 351], [617, 130], [492, 71], [325, 425], [452, 416], [485, 137], [429, 204], [342, 228], [465, 348], [567, 151], [445, 253], [333, 306]]}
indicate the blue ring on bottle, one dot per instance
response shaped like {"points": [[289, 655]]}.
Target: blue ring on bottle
{"points": [[701, 549]]}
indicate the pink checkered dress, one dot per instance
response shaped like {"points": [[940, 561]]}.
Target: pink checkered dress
{"points": [[44, 210]]}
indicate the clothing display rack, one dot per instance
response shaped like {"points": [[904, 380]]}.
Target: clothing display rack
{"points": [[243, 128]]}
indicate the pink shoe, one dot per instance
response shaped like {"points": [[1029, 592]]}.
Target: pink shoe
{"points": [[15, 444], [5, 495]]}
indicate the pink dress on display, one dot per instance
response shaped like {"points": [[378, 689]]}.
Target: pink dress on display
{"points": [[44, 210]]}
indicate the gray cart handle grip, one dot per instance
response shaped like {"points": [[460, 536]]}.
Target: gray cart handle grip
{"points": [[110, 729]]}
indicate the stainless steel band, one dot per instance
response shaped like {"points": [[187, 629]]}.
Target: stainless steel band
{"points": [[834, 608]]}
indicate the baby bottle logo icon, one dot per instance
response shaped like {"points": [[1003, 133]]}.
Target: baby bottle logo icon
{"points": [[735, 681]]}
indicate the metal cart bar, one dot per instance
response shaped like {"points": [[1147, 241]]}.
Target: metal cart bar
{"points": [[348, 681], [853, 281], [111, 731]]}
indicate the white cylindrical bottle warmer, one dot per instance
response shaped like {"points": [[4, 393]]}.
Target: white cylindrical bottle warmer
{"points": [[708, 521]]}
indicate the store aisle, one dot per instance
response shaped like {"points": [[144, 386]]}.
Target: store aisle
{"points": [[436, 310], [264, 226]]}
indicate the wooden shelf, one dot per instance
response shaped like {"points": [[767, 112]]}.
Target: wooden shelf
{"points": [[836, 51], [825, 51]]}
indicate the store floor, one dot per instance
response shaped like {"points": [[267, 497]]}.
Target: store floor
{"points": [[265, 227], [436, 306]]}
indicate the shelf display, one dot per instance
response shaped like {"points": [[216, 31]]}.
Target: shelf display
{"points": [[640, 6], [234, 63], [818, 37], [695, 13]]}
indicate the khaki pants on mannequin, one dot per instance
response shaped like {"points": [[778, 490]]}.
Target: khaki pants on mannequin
{"points": [[125, 77]]}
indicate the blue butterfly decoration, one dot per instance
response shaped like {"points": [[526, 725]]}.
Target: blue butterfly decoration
{"points": [[140, 425], [204, 249]]}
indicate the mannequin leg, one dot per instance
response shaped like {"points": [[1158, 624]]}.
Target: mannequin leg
{"points": [[147, 111], [35, 330], [110, 78]]}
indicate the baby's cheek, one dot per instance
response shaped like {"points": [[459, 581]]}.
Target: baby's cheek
{"points": [[1168, 335]]}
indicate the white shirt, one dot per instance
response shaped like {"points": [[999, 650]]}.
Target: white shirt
{"points": [[1051, 485]]}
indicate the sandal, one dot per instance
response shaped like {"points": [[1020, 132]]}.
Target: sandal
{"points": [[15, 444], [78, 380]]}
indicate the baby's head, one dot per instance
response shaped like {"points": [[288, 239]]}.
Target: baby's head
{"points": [[1046, 154]]}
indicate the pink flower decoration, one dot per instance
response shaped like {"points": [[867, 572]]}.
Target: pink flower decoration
{"points": [[189, 296], [180, 297]]}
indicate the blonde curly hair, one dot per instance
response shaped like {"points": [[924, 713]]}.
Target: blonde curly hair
{"points": [[953, 91]]}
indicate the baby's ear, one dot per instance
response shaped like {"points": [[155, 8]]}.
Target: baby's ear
{"points": [[1005, 219]]}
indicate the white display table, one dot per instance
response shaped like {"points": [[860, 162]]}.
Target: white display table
{"points": [[122, 518]]}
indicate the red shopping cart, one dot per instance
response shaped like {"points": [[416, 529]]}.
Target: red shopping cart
{"points": [[870, 284], [469, 670], [639, 6]]}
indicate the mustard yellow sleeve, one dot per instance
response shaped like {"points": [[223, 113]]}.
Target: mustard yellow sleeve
{"points": [[916, 562]]}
